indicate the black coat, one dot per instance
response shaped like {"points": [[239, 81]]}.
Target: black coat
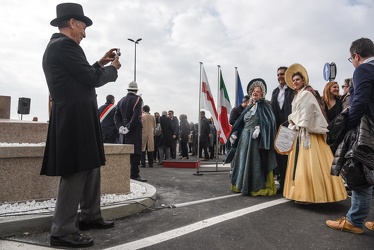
{"points": [[334, 111], [281, 115], [204, 131], [175, 125], [167, 131], [358, 144], [74, 140], [108, 127], [184, 131], [235, 113], [129, 114]]}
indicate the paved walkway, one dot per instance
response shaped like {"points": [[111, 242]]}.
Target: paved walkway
{"points": [[200, 212]]}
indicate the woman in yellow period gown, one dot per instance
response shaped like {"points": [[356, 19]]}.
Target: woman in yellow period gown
{"points": [[308, 178]]}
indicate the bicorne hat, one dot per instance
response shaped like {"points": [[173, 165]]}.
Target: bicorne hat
{"points": [[257, 82], [65, 11], [296, 67]]}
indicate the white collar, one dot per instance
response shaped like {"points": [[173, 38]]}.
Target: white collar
{"points": [[284, 87], [369, 59]]}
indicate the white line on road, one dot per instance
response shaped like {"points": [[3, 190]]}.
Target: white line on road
{"points": [[203, 201], [158, 238]]}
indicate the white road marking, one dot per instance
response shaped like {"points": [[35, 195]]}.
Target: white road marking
{"points": [[158, 238], [203, 201]]}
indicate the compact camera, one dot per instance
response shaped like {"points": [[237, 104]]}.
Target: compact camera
{"points": [[118, 52]]}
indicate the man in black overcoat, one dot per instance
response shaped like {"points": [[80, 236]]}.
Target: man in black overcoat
{"points": [[204, 136], [166, 138], [128, 119], [74, 148]]}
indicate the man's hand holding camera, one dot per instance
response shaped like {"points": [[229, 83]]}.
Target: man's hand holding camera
{"points": [[111, 56]]}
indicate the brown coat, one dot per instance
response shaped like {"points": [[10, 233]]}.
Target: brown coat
{"points": [[149, 124]]}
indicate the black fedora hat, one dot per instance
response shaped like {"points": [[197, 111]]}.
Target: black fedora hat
{"points": [[65, 11]]}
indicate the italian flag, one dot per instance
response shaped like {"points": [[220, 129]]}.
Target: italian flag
{"points": [[224, 109]]}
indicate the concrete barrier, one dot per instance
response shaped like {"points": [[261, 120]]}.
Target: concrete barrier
{"points": [[21, 131], [20, 177], [4, 107]]}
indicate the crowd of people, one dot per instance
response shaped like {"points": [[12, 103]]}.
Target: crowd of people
{"points": [[312, 171], [308, 174], [162, 137]]}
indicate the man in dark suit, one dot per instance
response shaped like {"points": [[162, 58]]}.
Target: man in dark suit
{"points": [[128, 119], [175, 124], [236, 112], [108, 127], [74, 148], [281, 100], [204, 136], [166, 138]]}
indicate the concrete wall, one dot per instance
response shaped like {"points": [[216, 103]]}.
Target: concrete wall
{"points": [[4, 107], [19, 131], [20, 167]]}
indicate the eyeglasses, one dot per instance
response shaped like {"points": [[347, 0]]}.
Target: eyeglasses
{"points": [[352, 57]]}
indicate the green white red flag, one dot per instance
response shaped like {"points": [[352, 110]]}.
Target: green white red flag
{"points": [[224, 109]]}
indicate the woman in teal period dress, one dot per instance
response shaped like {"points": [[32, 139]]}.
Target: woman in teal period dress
{"points": [[253, 137]]}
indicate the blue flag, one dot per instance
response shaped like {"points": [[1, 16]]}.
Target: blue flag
{"points": [[240, 93]]}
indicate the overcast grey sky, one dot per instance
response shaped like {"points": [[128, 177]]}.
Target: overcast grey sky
{"points": [[257, 36]]}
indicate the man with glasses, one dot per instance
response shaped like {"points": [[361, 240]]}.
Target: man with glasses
{"points": [[362, 97]]}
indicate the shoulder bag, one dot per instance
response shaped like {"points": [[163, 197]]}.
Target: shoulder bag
{"points": [[284, 140]]}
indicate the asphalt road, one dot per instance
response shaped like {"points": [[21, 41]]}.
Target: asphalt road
{"points": [[233, 222]]}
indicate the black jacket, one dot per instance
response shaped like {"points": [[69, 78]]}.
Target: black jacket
{"points": [[235, 113], [129, 114], [108, 127], [337, 130], [74, 141], [357, 144], [167, 131], [281, 115]]}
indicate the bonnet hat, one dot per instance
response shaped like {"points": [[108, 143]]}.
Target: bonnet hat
{"points": [[257, 82], [65, 11], [133, 86], [296, 67]]}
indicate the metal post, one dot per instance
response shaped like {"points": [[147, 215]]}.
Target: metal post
{"points": [[135, 42]]}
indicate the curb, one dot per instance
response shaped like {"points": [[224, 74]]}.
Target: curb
{"points": [[26, 223]]}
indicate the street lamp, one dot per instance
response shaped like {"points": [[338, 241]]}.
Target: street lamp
{"points": [[135, 42]]}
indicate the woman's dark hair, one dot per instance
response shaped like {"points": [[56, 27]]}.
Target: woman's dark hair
{"points": [[298, 74]]}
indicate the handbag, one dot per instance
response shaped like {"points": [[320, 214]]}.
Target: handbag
{"points": [[284, 140]]}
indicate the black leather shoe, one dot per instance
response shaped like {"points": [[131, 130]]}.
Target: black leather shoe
{"points": [[140, 179], [75, 240], [99, 224]]}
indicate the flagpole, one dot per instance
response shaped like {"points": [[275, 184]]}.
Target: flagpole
{"points": [[218, 104], [199, 126], [236, 86]]}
